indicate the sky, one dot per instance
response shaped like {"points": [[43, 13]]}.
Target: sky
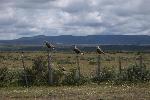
{"points": [[25, 18]]}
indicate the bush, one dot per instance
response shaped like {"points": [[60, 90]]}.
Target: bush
{"points": [[106, 75], [39, 71], [27, 73], [37, 75], [58, 75], [71, 79], [3, 75], [39, 64], [133, 73], [8, 77], [137, 73]]}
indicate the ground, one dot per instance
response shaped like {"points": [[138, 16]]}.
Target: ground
{"points": [[104, 91], [86, 92]]}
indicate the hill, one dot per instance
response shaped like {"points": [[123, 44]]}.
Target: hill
{"points": [[90, 39]]}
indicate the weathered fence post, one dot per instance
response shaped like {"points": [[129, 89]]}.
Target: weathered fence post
{"points": [[23, 64], [50, 73], [120, 64], [141, 65], [78, 67], [141, 61], [78, 52], [50, 70], [98, 68], [99, 51]]}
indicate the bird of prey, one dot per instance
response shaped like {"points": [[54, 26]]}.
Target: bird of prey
{"points": [[49, 45], [99, 50], [77, 51]]}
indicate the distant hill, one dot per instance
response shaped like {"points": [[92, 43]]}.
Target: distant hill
{"points": [[90, 39]]}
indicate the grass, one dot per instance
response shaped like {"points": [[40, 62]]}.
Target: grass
{"points": [[86, 92], [12, 60], [140, 91]]}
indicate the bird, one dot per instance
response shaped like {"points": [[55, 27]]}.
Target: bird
{"points": [[77, 51], [49, 45], [99, 50]]}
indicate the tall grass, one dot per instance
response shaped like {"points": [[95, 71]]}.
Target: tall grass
{"points": [[37, 74]]}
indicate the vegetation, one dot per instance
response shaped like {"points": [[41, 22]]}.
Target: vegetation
{"points": [[134, 70]]}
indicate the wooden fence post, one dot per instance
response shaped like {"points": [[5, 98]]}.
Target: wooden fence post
{"points": [[120, 65], [98, 68], [78, 67], [50, 73], [141, 61], [23, 64]]}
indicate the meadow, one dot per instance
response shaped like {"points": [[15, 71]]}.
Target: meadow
{"points": [[107, 89], [88, 62]]}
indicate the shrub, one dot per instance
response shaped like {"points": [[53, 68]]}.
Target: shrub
{"points": [[71, 79], [8, 77], [39, 64], [39, 70], [3, 75], [37, 75], [137, 73], [106, 75], [133, 73], [58, 75], [27, 73]]}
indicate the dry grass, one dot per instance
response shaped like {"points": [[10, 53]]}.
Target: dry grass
{"points": [[12, 60], [88, 92], [91, 92]]}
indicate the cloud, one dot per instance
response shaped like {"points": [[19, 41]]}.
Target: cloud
{"points": [[20, 18]]}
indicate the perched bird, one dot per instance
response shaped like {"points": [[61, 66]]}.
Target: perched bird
{"points": [[49, 45], [99, 50], [77, 51]]}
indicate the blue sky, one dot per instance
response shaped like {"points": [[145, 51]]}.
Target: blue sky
{"points": [[23, 18]]}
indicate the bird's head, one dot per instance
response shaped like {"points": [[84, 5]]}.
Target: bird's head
{"points": [[45, 42], [74, 46], [97, 47]]}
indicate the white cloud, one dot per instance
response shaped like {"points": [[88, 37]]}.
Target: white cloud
{"points": [[73, 17]]}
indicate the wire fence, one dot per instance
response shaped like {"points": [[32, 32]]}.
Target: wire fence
{"points": [[113, 63]]}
